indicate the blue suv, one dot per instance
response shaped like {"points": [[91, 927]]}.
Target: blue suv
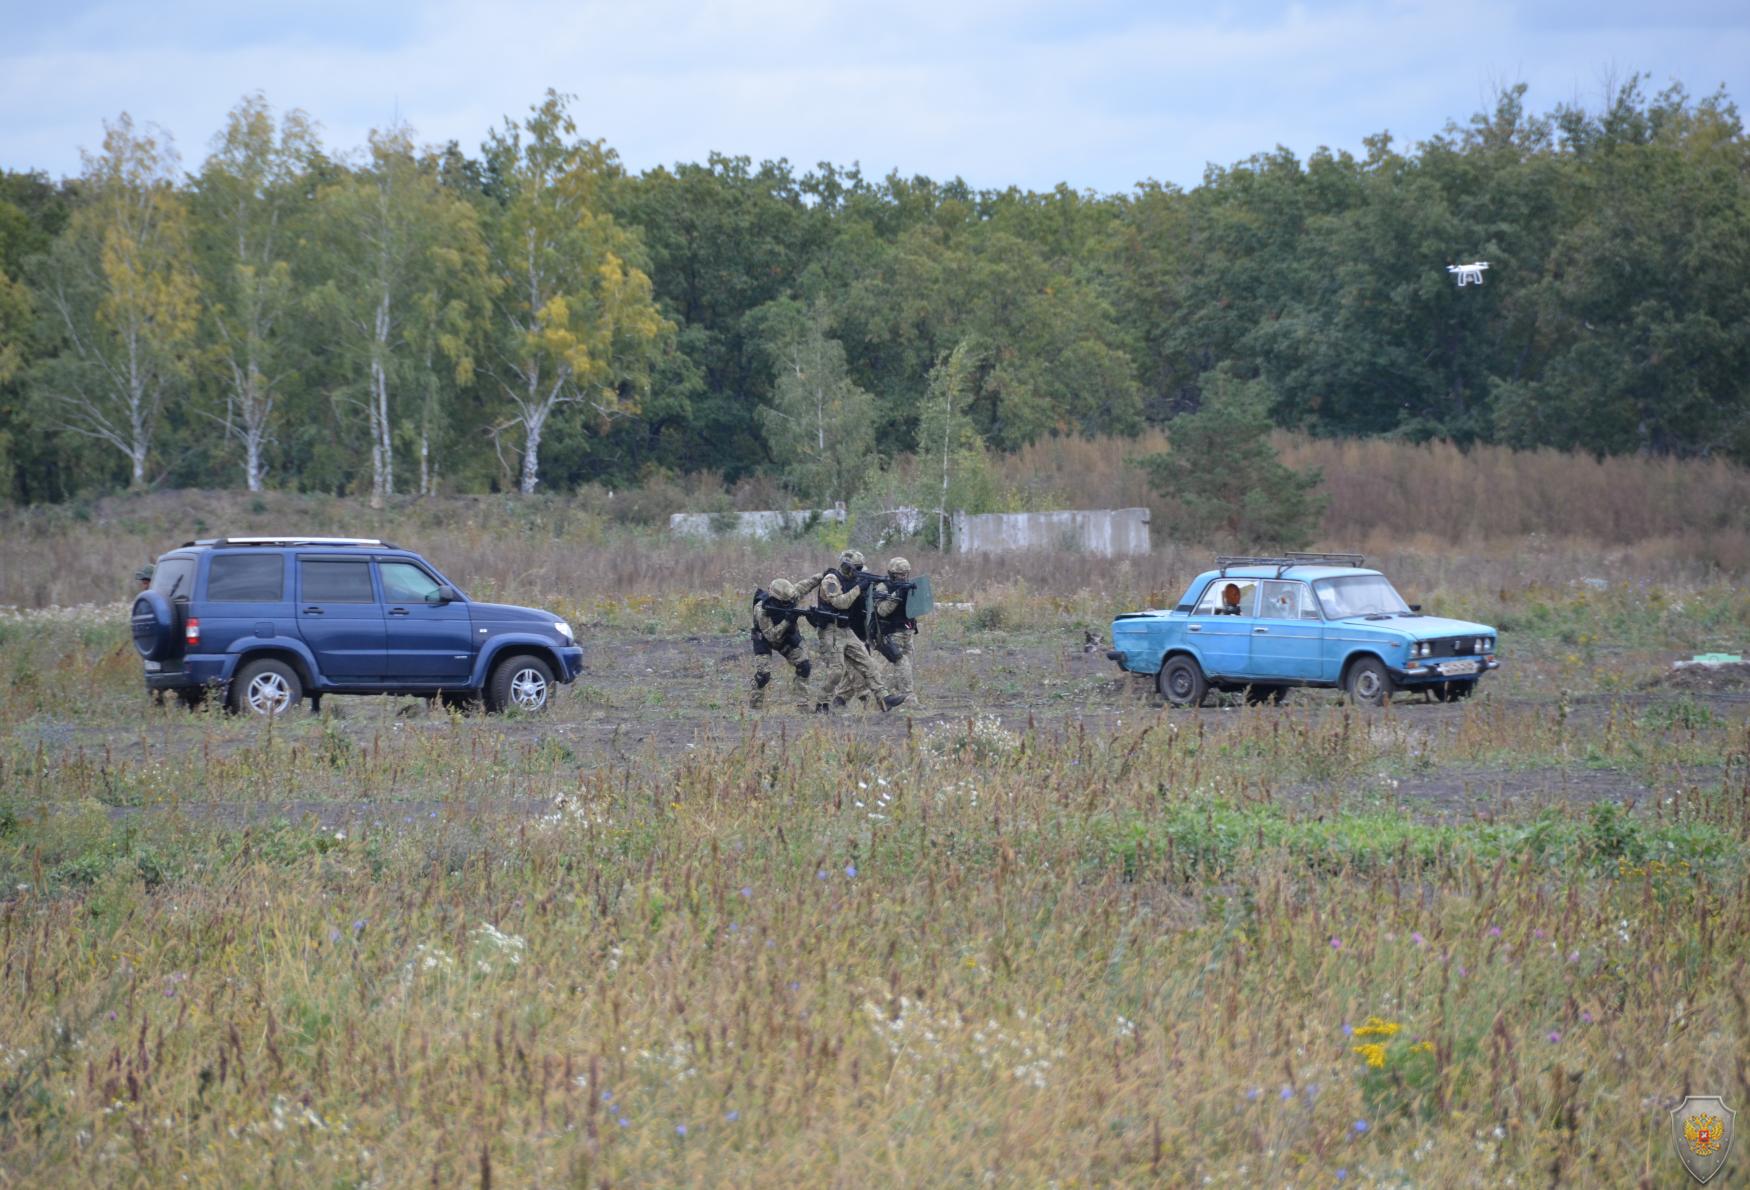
{"points": [[1264, 624], [268, 621]]}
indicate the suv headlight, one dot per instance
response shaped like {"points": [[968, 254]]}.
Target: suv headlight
{"points": [[563, 629]]}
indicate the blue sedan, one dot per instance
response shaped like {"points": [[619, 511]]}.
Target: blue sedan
{"points": [[1264, 624]]}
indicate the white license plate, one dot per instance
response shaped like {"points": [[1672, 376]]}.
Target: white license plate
{"points": [[1454, 668], [153, 667]]}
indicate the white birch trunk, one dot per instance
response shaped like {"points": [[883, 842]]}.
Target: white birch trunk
{"points": [[382, 453]]}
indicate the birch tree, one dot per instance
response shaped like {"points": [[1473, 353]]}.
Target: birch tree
{"points": [[408, 274], [246, 201], [120, 289], [576, 322], [820, 425]]}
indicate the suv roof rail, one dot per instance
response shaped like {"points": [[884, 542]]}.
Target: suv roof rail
{"points": [[350, 541], [1284, 561]]}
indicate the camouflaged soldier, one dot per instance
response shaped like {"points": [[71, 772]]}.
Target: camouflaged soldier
{"points": [[826, 650], [845, 590], [775, 632], [894, 631]]}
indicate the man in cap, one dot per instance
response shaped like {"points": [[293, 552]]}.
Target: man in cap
{"points": [[894, 629], [143, 576], [777, 633]]}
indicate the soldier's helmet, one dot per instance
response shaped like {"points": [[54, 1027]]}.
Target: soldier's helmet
{"points": [[899, 568], [783, 589], [851, 561]]}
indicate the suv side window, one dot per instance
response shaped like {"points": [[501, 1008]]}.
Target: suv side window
{"points": [[335, 582], [403, 582], [246, 578], [174, 578]]}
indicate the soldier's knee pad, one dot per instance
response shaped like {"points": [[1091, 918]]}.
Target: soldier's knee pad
{"points": [[761, 678], [804, 668]]}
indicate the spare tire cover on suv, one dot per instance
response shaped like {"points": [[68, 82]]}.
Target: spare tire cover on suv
{"points": [[154, 625]]}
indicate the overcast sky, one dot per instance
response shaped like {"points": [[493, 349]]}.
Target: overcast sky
{"points": [[1095, 93]]}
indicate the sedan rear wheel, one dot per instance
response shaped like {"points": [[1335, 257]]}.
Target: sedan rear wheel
{"points": [[1181, 682]]}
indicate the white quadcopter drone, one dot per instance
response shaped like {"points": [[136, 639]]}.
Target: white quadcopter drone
{"points": [[1468, 274]]}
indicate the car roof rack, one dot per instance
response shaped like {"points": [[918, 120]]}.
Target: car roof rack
{"points": [[1282, 562], [324, 541]]}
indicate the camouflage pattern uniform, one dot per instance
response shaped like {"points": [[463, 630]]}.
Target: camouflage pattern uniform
{"points": [[897, 631], [779, 635], [858, 676], [826, 645]]}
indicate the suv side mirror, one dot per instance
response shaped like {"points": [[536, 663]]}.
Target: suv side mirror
{"points": [[445, 594]]}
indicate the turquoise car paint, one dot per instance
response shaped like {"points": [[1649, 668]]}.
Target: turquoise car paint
{"points": [[1288, 628]]}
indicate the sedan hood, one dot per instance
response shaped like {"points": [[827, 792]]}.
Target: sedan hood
{"points": [[1427, 627]]}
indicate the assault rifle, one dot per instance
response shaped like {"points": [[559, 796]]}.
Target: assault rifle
{"points": [[817, 617]]}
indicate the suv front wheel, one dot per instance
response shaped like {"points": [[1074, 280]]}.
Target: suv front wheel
{"points": [[522, 683], [266, 687]]}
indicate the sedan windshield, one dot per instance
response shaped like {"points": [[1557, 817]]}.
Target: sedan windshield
{"points": [[1359, 595]]}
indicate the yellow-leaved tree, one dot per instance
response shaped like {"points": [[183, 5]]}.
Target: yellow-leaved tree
{"points": [[121, 291], [575, 321]]}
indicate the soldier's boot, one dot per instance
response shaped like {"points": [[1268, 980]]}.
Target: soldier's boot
{"points": [[891, 701]]}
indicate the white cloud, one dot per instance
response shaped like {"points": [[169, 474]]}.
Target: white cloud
{"points": [[1024, 92]]}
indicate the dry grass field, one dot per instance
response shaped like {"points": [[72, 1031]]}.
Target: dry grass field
{"points": [[1037, 929]]}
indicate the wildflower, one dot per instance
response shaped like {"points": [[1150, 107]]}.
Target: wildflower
{"points": [[1422, 1047], [1554, 1036], [1573, 956], [851, 871], [1374, 1027], [820, 875], [1348, 1029], [358, 926], [680, 1129], [334, 934], [731, 1116], [747, 891], [1252, 1095], [1374, 1052], [1417, 938], [1539, 935], [1494, 931], [623, 1122], [1360, 1126], [607, 1096], [734, 927], [1342, 1174], [1585, 1017], [1287, 1094], [1336, 943]]}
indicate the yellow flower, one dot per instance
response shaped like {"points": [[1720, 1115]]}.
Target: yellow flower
{"points": [[1374, 1027], [1374, 1052], [1422, 1047]]}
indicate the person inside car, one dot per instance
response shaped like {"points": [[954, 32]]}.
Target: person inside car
{"points": [[1230, 600]]}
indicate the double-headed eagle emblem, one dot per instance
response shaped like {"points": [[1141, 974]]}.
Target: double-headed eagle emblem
{"points": [[1702, 1129]]}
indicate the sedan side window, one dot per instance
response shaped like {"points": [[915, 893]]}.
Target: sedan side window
{"points": [[403, 582], [1228, 597], [1281, 601]]}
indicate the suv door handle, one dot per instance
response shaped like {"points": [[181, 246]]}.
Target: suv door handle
{"points": [[1263, 630], [397, 611], [312, 611]]}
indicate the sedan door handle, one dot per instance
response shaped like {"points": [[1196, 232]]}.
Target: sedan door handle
{"points": [[1258, 630], [397, 611], [1194, 628], [312, 611]]}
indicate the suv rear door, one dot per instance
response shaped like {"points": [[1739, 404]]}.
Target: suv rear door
{"points": [[430, 641], [340, 618]]}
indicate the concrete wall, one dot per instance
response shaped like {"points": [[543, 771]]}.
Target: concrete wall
{"points": [[1105, 532], [748, 524]]}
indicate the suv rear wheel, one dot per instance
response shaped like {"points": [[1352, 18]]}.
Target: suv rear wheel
{"points": [[266, 687], [521, 683]]}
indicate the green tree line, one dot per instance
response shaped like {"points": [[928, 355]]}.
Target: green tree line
{"points": [[533, 316]]}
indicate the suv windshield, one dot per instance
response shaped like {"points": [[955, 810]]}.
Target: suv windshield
{"points": [[1359, 595]]}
